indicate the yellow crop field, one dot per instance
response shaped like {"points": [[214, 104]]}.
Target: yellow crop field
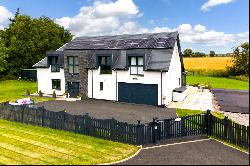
{"points": [[207, 63]]}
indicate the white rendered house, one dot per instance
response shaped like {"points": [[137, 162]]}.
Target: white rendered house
{"points": [[141, 69]]}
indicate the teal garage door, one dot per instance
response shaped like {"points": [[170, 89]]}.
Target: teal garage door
{"points": [[138, 93]]}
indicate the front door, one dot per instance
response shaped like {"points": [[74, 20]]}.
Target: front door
{"points": [[73, 88]]}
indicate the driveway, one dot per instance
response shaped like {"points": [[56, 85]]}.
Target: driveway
{"points": [[232, 100], [202, 152], [102, 109]]}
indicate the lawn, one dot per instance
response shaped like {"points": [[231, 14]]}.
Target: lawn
{"points": [[11, 90], [187, 112], [26, 144], [217, 82]]}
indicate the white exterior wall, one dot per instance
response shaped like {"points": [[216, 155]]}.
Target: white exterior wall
{"points": [[173, 75], [109, 82], [170, 81], [44, 78]]}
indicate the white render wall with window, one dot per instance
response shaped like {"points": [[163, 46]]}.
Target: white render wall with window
{"points": [[45, 77], [135, 74]]}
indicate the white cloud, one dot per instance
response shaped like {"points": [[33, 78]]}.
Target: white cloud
{"points": [[104, 18], [5, 14], [101, 18], [211, 3]]}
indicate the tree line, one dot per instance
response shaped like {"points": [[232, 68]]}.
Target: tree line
{"points": [[189, 53], [25, 41]]}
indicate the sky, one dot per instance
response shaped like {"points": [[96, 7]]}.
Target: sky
{"points": [[203, 25]]}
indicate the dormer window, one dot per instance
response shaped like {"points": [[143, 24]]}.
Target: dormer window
{"points": [[136, 65], [105, 63], [55, 67]]}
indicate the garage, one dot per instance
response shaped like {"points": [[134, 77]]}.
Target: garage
{"points": [[138, 93]]}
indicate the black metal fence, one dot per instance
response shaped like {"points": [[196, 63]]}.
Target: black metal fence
{"points": [[228, 131], [139, 134]]}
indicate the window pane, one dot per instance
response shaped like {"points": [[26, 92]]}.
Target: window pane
{"points": [[76, 69], [133, 61], [108, 60], [101, 85], [133, 70], [140, 60], [76, 61], [53, 60], [103, 61], [70, 69], [140, 70], [71, 61]]}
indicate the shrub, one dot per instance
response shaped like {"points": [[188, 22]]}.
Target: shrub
{"points": [[40, 93], [28, 92], [54, 94]]}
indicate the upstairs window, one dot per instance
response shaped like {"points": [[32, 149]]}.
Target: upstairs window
{"points": [[105, 63], [73, 64], [55, 67], [136, 65]]}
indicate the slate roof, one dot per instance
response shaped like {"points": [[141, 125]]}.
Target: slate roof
{"points": [[144, 41], [158, 49], [44, 62], [41, 64]]}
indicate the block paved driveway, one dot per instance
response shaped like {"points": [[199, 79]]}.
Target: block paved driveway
{"points": [[101, 109], [203, 152]]}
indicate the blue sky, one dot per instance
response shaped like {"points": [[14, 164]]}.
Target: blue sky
{"points": [[203, 24]]}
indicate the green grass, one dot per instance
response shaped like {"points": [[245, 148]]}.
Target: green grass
{"points": [[11, 90], [217, 82], [187, 112], [26, 144]]}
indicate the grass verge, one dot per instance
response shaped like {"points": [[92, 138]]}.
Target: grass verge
{"points": [[26, 144]]}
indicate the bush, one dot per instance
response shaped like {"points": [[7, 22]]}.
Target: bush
{"points": [[28, 92], [54, 94], [40, 93]]}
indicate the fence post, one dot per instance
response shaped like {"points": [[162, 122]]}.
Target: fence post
{"points": [[43, 109], [209, 122], [88, 123], [183, 129], [225, 127], [112, 129], [23, 108], [139, 134], [154, 125]]}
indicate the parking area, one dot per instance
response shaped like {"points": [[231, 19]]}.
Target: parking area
{"points": [[232, 100], [199, 152], [102, 109]]}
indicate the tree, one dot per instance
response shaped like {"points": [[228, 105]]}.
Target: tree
{"points": [[28, 39], [212, 53], [3, 56], [240, 61], [198, 54], [187, 52]]}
